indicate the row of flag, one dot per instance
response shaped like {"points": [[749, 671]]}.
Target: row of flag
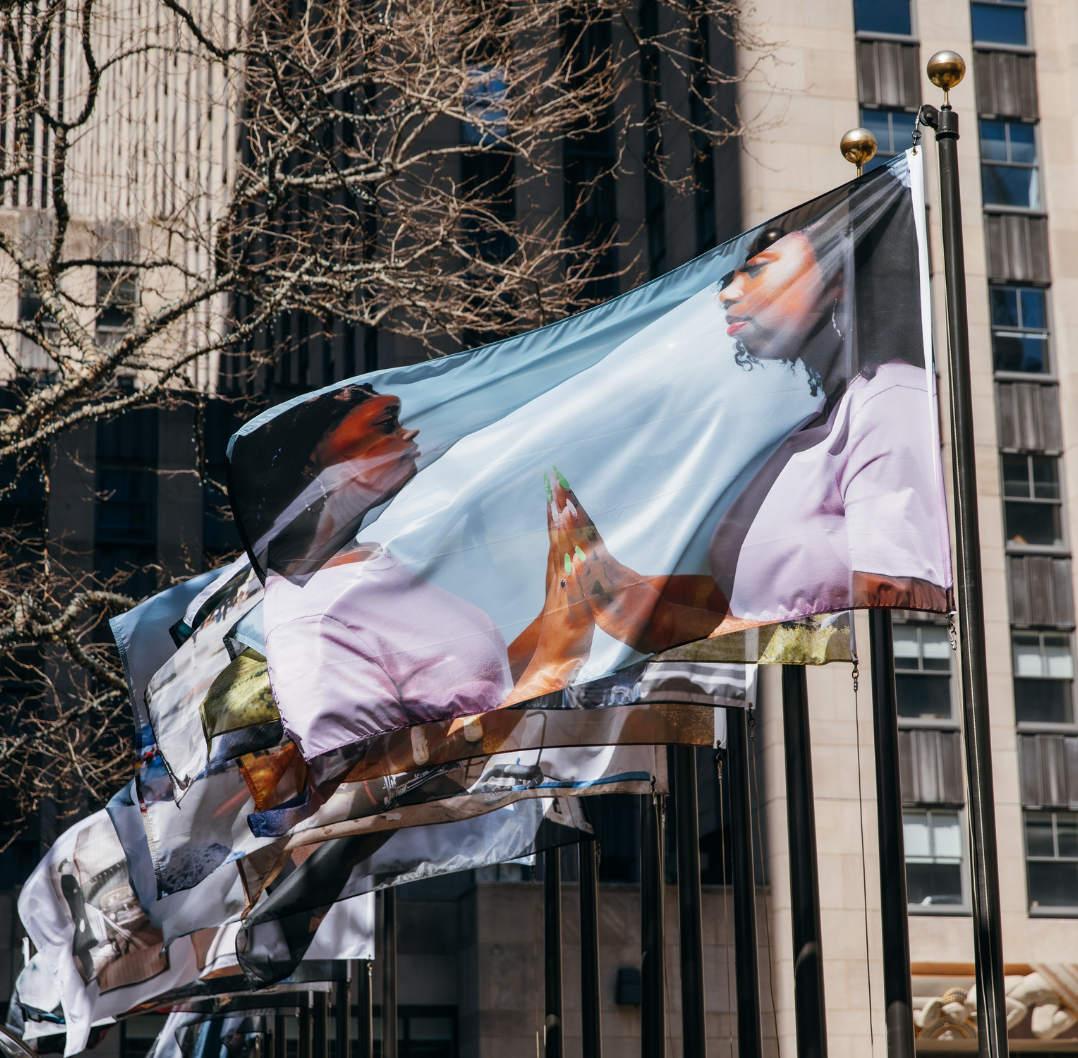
{"points": [[477, 591]]}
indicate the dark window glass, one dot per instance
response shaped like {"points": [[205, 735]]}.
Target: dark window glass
{"points": [[923, 664], [126, 508], [1019, 322], [882, 16], [924, 698], [893, 130], [1043, 677], [998, 23], [933, 844], [1038, 521], [1009, 175], [1034, 525], [117, 295], [1052, 858]]}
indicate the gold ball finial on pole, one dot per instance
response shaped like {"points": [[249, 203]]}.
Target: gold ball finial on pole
{"points": [[945, 70], [858, 146]]}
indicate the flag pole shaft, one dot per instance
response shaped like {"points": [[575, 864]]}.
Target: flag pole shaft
{"points": [[552, 952], [343, 1014], [320, 1025], [365, 1009], [987, 927], [591, 1019], [693, 1028], [652, 936], [303, 1047], [279, 1043], [809, 1011], [389, 972], [746, 968], [897, 985]]}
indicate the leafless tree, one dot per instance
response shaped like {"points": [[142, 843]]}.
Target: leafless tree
{"points": [[177, 177]]}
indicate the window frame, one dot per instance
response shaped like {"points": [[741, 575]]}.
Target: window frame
{"points": [[909, 723], [1066, 910], [1025, 7], [873, 34], [1001, 207], [107, 334], [963, 910], [1035, 549], [1047, 727], [1048, 375]]}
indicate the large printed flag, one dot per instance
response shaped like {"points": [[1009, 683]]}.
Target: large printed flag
{"points": [[750, 439], [103, 953]]}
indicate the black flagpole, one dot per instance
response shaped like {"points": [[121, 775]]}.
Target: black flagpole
{"points": [[693, 1027], [590, 1017], [365, 1009], [320, 1025], [279, 1043], [389, 972], [652, 934], [946, 69], [809, 1011], [746, 969], [343, 1014], [897, 986], [303, 1047], [552, 1026]]}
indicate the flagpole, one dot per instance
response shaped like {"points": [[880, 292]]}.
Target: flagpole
{"points": [[809, 1011], [279, 1043], [591, 1019], [552, 1026], [691, 943], [945, 70], [746, 969], [389, 972], [652, 934], [343, 1014], [894, 904], [303, 1047], [365, 1009]]}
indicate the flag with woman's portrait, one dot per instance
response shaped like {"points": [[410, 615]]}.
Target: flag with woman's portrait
{"points": [[749, 440]]}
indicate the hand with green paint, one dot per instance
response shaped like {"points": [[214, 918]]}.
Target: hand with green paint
{"points": [[548, 654], [648, 613]]}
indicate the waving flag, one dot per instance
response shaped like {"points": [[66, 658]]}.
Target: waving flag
{"points": [[750, 439], [276, 935], [103, 953]]}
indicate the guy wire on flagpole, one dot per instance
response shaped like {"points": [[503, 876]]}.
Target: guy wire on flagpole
{"points": [[945, 70]]}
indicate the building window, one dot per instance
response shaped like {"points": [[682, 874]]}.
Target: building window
{"points": [[1043, 677], [933, 840], [1009, 164], [1052, 859], [893, 130], [923, 671], [1032, 506], [117, 296], [883, 16], [999, 22], [125, 532], [1019, 329]]}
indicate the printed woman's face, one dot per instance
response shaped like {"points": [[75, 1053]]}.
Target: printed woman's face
{"points": [[775, 300], [381, 453]]}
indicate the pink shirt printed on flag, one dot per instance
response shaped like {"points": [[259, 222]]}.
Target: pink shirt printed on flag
{"points": [[371, 646]]}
